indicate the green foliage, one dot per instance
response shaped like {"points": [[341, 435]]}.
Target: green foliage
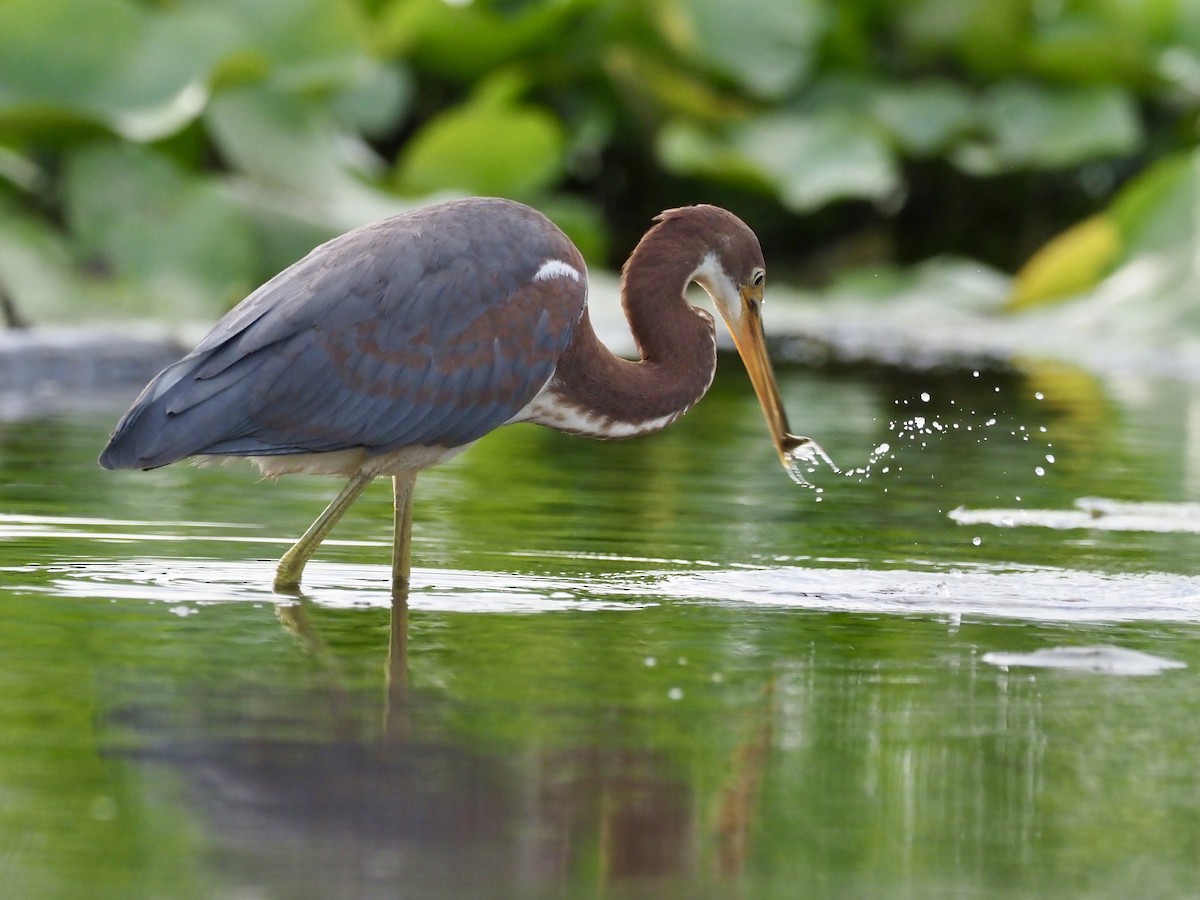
{"points": [[1142, 247], [237, 133], [525, 163]]}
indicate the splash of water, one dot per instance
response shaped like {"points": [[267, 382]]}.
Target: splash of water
{"points": [[803, 453]]}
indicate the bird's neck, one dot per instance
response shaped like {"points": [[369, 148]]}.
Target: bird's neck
{"points": [[664, 325], [597, 393]]}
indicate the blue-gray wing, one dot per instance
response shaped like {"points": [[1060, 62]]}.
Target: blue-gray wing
{"points": [[431, 328]]}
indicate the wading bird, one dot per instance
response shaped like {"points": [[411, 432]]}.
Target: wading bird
{"points": [[396, 346]]}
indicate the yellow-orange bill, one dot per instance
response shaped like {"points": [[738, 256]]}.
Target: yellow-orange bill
{"points": [[794, 451]]}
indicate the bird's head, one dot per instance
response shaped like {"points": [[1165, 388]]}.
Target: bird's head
{"points": [[733, 273]]}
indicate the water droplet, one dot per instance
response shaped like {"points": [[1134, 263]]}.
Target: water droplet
{"points": [[1039, 471], [882, 449], [976, 541], [650, 662], [675, 693], [1050, 457], [925, 396], [1039, 395]]}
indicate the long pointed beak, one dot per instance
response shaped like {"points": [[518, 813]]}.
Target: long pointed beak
{"points": [[751, 344]]}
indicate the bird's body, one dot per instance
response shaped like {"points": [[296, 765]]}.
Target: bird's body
{"points": [[397, 345]]}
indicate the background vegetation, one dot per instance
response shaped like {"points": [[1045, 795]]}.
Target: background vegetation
{"points": [[168, 155]]}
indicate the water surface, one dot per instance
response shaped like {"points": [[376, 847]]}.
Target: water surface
{"points": [[653, 668]]}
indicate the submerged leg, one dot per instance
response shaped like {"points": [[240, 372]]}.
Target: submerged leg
{"points": [[291, 567], [402, 486]]}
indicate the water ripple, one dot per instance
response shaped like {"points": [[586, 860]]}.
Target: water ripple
{"points": [[1024, 592], [1031, 593], [1092, 513]]}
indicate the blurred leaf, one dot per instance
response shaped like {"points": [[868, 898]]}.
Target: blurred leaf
{"points": [[36, 268], [1087, 49], [309, 44], [63, 53], [816, 159], [142, 75], [767, 46], [682, 93], [1159, 208], [1154, 219], [147, 73], [140, 216], [378, 103], [986, 37], [506, 149], [581, 222], [298, 159], [925, 117], [689, 150], [1032, 126], [467, 41], [806, 160], [1070, 264]]}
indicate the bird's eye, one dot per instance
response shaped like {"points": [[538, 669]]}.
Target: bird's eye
{"points": [[757, 277]]}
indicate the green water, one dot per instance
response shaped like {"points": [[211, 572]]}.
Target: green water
{"points": [[654, 668]]}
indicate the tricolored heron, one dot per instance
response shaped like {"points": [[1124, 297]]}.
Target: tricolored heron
{"points": [[397, 345]]}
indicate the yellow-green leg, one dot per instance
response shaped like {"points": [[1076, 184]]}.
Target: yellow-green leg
{"points": [[402, 487], [291, 566]]}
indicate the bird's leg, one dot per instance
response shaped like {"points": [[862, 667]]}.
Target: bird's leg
{"points": [[402, 486], [291, 566]]}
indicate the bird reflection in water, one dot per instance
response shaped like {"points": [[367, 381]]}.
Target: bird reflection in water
{"points": [[318, 792]]}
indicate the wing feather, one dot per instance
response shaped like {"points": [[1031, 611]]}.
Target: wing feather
{"points": [[417, 330]]}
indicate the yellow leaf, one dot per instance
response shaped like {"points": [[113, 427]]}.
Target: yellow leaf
{"points": [[1068, 264]]}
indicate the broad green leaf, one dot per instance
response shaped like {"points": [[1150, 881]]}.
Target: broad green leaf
{"points": [[298, 160], [1154, 216], [1159, 208], [686, 149], [36, 268], [143, 75], [807, 161], [1070, 264], [309, 44], [137, 215], [986, 37], [581, 222], [925, 117], [1088, 49], [511, 150], [1032, 126], [814, 160], [64, 53], [676, 90], [768, 47], [467, 41]]}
